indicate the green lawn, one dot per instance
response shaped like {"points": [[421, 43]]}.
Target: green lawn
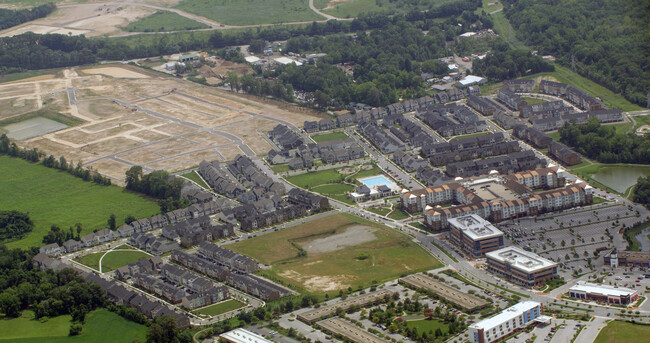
{"points": [[533, 101], [555, 135], [611, 99], [250, 12], [112, 260], [334, 188], [101, 326], [55, 197], [399, 214], [473, 135], [641, 120], [387, 257], [622, 332], [353, 8], [280, 168], [194, 176], [329, 136], [164, 21], [502, 26], [382, 211], [427, 325], [312, 179], [220, 308]]}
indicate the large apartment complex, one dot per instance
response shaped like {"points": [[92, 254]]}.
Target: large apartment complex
{"points": [[496, 197], [520, 266]]}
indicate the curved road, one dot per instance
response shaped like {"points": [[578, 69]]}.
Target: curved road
{"points": [[317, 11]]}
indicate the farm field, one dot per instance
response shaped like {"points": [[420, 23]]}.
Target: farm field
{"points": [[353, 8], [250, 12], [112, 260], [622, 332], [341, 251], [55, 330], [164, 21], [55, 197], [329, 136], [220, 308]]}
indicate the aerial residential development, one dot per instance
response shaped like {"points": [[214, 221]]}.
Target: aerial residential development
{"points": [[324, 171]]}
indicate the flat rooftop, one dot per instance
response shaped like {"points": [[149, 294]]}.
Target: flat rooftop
{"points": [[475, 227], [243, 336], [326, 311], [508, 314], [462, 299], [520, 259], [489, 189], [352, 332], [604, 290]]}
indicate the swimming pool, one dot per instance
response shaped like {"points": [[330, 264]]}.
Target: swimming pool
{"points": [[373, 181]]}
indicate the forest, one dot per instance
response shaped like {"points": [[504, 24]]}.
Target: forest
{"points": [[504, 64], [9, 18], [602, 143], [608, 39], [14, 225], [642, 191]]}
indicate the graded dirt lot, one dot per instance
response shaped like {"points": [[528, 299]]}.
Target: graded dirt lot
{"points": [[341, 251], [132, 116], [90, 19]]}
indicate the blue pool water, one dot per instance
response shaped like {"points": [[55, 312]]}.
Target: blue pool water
{"points": [[376, 181]]}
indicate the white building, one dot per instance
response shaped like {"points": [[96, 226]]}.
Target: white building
{"points": [[287, 60], [509, 320], [603, 293], [243, 336], [470, 80], [475, 235], [520, 266]]}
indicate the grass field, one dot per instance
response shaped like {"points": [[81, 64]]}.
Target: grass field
{"points": [[533, 101], [250, 12], [389, 256], [427, 325], [382, 211], [101, 326], [194, 176], [329, 136], [313, 179], [164, 21], [622, 332], [503, 27], [112, 260], [353, 8], [641, 120], [330, 182], [611, 99], [54, 197], [399, 214], [473, 135], [220, 308]]}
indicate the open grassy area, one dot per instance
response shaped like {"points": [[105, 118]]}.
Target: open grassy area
{"points": [[112, 260], [101, 326], [331, 183], [382, 211], [313, 179], [502, 26], [194, 176], [390, 255], [55, 197], [427, 325], [622, 332], [555, 135], [533, 101], [473, 135], [250, 12], [399, 214], [222, 307], [641, 120], [611, 99], [164, 21], [335, 188], [329, 136], [353, 8]]}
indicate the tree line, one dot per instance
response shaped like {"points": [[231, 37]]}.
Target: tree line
{"points": [[7, 147], [9, 18], [642, 191], [14, 225], [602, 143], [158, 184], [607, 39], [502, 63]]}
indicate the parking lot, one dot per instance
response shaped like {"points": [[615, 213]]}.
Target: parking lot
{"points": [[572, 236]]}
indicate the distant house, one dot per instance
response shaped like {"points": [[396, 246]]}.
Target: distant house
{"points": [[71, 246], [188, 57], [520, 86], [564, 153], [52, 249], [510, 99]]}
